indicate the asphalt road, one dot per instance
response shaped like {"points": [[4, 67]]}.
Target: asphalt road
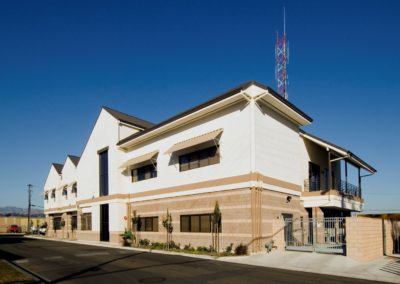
{"points": [[54, 262]]}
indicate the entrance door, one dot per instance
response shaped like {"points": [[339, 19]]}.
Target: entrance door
{"points": [[104, 228], [314, 177]]}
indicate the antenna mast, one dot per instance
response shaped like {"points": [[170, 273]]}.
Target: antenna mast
{"points": [[282, 60]]}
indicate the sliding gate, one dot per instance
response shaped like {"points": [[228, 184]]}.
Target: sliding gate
{"points": [[325, 235]]}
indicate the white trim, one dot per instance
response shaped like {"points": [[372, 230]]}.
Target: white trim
{"points": [[332, 201]]}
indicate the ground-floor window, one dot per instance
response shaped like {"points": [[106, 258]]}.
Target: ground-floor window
{"points": [[86, 222], [74, 222], [147, 224], [57, 222], [201, 223]]}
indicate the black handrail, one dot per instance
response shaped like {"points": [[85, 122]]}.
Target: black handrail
{"points": [[317, 184]]}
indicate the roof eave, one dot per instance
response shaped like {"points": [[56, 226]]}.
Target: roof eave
{"points": [[301, 117]]}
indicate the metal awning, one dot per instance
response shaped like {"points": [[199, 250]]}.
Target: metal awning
{"points": [[210, 136], [140, 159]]}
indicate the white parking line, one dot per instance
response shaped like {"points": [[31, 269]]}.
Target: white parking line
{"points": [[52, 258], [92, 254], [25, 260]]}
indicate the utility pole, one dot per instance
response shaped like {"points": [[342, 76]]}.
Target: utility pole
{"points": [[29, 206]]}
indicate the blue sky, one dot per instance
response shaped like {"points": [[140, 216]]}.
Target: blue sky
{"points": [[60, 61]]}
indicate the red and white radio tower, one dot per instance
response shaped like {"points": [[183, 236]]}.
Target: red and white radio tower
{"points": [[282, 60]]}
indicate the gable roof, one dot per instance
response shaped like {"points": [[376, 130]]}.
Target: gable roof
{"points": [[74, 159], [58, 167], [129, 119], [214, 100]]}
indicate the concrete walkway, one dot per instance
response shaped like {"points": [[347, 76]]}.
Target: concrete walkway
{"points": [[386, 269]]}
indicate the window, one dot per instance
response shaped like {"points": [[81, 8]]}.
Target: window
{"points": [[57, 223], [53, 194], [74, 189], [46, 196], [197, 223], [147, 224], [65, 192], [74, 222], [145, 172], [198, 159], [103, 173], [86, 222]]}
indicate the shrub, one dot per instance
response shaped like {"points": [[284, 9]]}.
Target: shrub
{"points": [[173, 245], [157, 245], [203, 249], [241, 249], [144, 242], [188, 247], [229, 248]]}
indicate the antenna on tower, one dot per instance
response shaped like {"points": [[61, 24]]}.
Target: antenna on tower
{"points": [[282, 60]]}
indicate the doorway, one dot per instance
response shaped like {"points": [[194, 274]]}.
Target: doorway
{"points": [[104, 223]]}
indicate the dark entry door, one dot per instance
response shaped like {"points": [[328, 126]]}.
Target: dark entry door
{"points": [[104, 228], [314, 176]]}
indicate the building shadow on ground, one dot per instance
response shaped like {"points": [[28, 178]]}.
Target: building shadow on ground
{"points": [[392, 267]]}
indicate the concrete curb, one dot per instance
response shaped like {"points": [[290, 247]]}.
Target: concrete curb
{"points": [[99, 244]]}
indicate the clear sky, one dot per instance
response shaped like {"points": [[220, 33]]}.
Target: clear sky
{"points": [[60, 61]]}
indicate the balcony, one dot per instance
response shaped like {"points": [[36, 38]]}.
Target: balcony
{"points": [[340, 195], [343, 187]]}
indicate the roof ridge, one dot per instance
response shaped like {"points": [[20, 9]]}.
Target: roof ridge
{"points": [[119, 115], [213, 100]]}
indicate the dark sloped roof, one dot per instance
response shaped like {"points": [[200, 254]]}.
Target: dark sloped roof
{"points": [[129, 119], [58, 167], [213, 101], [74, 159], [351, 154]]}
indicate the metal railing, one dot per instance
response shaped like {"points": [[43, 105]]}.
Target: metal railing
{"points": [[317, 184], [326, 235]]}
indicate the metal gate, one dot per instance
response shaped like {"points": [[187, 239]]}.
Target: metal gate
{"points": [[396, 236], [325, 235]]}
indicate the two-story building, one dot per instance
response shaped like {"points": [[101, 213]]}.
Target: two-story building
{"points": [[244, 149]]}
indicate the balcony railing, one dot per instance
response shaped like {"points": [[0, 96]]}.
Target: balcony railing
{"points": [[346, 188]]}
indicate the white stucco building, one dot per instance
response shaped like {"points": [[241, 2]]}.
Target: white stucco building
{"points": [[245, 149]]}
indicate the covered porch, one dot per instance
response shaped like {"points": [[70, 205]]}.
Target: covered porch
{"points": [[335, 175]]}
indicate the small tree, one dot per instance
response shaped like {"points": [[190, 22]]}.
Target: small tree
{"points": [[135, 222], [167, 224], [216, 220]]}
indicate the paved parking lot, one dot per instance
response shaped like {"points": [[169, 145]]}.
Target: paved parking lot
{"points": [[54, 262]]}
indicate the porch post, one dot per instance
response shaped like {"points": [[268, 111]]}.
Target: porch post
{"points": [[329, 171], [359, 180], [345, 172]]}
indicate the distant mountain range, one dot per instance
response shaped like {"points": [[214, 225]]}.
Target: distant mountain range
{"points": [[17, 211]]}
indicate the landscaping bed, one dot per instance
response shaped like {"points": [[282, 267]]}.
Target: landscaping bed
{"points": [[9, 274]]}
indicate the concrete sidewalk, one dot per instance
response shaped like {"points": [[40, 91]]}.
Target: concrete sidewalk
{"points": [[386, 269]]}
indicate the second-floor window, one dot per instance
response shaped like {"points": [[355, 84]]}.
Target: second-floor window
{"points": [[65, 192], [46, 196], [145, 172], [53, 194], [200, 158], [103, 173], [74, 189]]}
